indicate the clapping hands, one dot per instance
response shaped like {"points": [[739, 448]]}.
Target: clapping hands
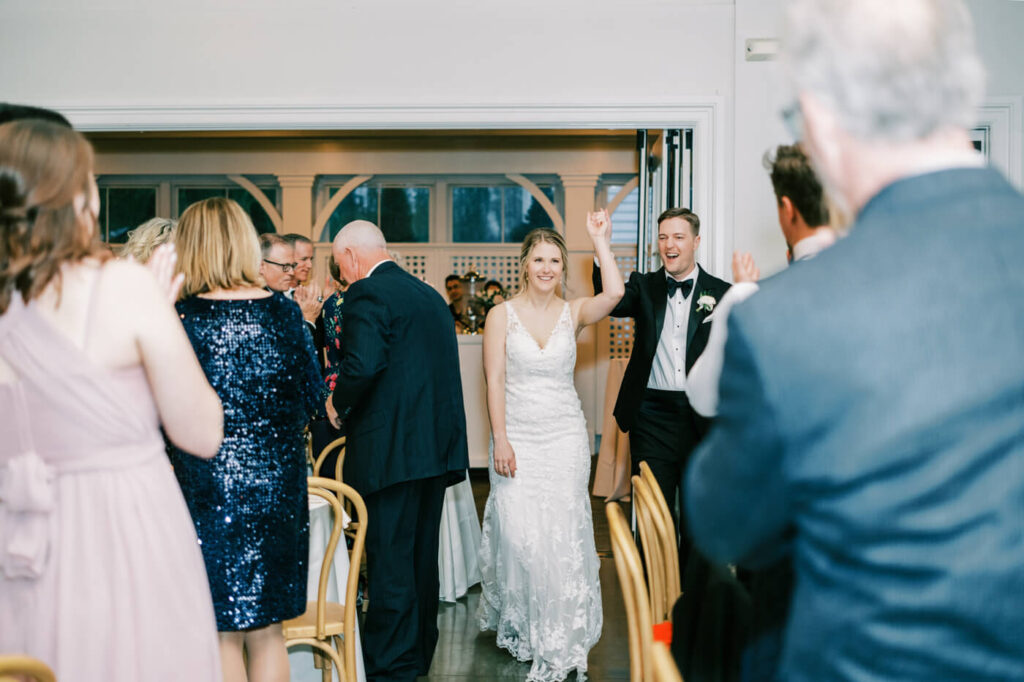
{"points": [[310, 298], [162, 264], [743, 268]]}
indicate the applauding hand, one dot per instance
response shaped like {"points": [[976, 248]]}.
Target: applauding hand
{"points": [[162, 264], [743, 268], [310, 299]]}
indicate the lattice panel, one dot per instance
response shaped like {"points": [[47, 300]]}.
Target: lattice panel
{"points": [[503, 267], [620, 329], [620, 332], [416, 264]]}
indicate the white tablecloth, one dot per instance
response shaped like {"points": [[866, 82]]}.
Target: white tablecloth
{"points": [[300, 658], [458, 552]]}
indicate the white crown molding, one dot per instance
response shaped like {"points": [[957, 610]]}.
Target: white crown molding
{"points": [[274, 116]]}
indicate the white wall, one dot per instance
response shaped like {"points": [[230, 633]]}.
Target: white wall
{"points": [[362, 52], [139, 63], [761, 93]]}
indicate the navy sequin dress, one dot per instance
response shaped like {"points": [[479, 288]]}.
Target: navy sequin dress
{"points": [[249, 502]]}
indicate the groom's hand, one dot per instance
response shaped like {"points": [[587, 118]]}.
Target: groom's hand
{"points": [[332, 414]]}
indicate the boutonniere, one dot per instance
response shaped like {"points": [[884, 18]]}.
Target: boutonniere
{"points": [[706, 302]]}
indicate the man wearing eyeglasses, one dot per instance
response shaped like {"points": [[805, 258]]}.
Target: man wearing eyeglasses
{"points": [[278, 266]]}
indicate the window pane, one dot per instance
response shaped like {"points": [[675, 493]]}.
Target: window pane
{"points": [[127, 208], [405, 214], [360, 204], [625, 220], [476, 214], [190, 195], [524, 213], [260, 219]]}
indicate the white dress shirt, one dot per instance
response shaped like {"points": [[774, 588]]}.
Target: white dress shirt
{"points": [[668, 371]]}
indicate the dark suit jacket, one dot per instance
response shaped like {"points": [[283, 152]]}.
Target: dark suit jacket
{"points": [[871, 426], [398, 385], [644, 301]]}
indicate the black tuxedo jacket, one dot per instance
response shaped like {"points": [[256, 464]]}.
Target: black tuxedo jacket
{"points": [[644, 301], [398, 386]]}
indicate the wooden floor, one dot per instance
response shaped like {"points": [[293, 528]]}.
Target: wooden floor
{"points": [[464, 653]]}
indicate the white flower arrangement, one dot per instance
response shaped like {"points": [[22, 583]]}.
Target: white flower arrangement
{"points": [[706, 302]]}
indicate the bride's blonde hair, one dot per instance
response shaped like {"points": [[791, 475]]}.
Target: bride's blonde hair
{"points": [[542, 234]]}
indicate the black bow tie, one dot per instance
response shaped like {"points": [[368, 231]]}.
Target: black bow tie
{"points": [[686, 286]]}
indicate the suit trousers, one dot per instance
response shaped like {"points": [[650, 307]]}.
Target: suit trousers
{"points": [[664, 434], [403, 527]]}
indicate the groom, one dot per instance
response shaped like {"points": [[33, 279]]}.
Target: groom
{"points": [[669, 306], [399, 393]]}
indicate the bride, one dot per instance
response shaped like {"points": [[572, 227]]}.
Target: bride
{"points": [[540, 587]]}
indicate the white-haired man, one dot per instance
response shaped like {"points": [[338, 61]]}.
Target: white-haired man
{"points": [[871, 416], [400, 395]]}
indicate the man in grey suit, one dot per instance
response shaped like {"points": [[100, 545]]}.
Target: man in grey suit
{"points": [[871, 421]]}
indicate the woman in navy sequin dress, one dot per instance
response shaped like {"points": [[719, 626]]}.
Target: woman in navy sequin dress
{"points": [[249, 502]]}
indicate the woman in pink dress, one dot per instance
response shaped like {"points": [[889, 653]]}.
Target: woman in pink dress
{"points": [[101, 575]]}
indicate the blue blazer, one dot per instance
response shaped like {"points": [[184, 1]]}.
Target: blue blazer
{"points": [[871, 427], [399, 389]]}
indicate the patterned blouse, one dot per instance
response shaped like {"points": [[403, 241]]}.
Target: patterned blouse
{"points": [[332, 340]]}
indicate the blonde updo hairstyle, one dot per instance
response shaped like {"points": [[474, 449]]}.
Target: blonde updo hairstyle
{"points": [[45, 170], [217, 248], [143, 240], [537, 236]]}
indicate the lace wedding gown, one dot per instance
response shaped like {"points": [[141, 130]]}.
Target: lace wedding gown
{"points": [[540, 570]]}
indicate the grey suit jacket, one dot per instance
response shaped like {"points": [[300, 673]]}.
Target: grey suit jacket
{"points": [[871, 426]]}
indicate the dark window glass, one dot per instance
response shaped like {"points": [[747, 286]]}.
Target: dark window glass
{"points": [[359, 204], [476, 214], [125, 209], [190, 195], [405, 214], [524, 213], [260, 219]]}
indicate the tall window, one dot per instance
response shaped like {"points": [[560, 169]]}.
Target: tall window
{"points": [[187, 196], [122, 209], [496, 213], [401, 211], [626, 217]]}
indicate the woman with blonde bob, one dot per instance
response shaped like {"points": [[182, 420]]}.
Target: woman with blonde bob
{"points": [[541, 593], [249, 502], [101, 576]]}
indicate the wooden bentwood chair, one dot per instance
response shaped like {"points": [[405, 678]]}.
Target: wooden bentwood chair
{"points": [[634, 594], [336, 443], [15, 668], [325, 622], [665, 531], [665, 669]]}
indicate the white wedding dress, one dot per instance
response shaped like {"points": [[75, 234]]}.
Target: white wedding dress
{"points": [[541, 592]]}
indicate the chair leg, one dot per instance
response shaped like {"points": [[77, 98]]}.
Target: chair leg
{"points": [[319, 659]]}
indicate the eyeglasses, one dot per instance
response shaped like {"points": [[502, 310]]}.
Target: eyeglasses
{"points": [[793, 118], [285, 267]]}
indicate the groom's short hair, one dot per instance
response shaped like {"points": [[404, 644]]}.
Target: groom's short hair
{"points": [[684, 213]]}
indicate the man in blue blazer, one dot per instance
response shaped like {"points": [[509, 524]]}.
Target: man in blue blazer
{"points": [[400, 396], [871, 422]]}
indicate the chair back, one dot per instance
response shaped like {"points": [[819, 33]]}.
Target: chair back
{"points": [[334, 493], [336, 443], [653, 551], [665, 669], [634, 594], [14, 668], [666, 529]]}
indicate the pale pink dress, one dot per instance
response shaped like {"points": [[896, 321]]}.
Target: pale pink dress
{"points": [[101, 575]]}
